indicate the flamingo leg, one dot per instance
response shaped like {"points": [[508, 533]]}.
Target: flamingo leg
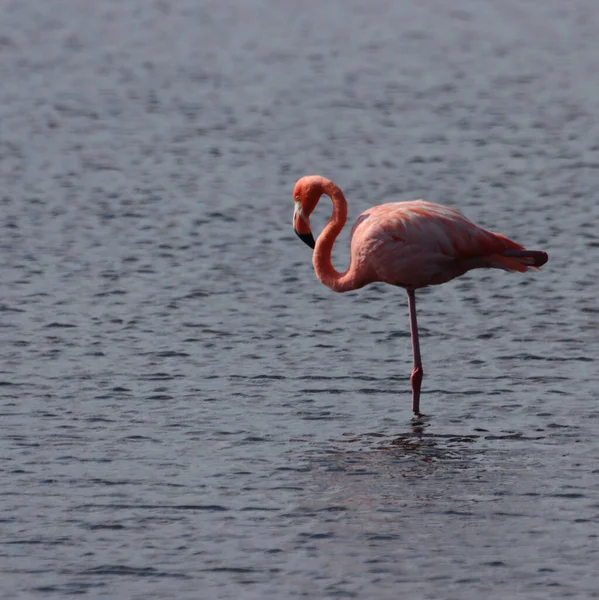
{"points": [[417, 372]]}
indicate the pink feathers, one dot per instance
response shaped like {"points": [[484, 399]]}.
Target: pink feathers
{"points": [[418, 243]]}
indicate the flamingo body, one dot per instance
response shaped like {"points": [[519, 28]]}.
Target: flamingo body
{"points": [[416, 244], [410, 244]]}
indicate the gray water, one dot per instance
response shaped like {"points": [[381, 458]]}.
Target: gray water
{"points": [[186, 412]]}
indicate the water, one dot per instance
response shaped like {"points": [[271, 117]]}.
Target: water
{"points": [[186, 411]]}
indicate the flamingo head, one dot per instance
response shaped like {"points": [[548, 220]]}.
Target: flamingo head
{"points": [[306, 194]]}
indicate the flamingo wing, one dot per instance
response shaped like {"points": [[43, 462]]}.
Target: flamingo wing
{"points": [[419, 243]]}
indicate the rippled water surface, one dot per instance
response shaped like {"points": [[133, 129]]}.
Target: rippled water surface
{"points": [[186, 412]]}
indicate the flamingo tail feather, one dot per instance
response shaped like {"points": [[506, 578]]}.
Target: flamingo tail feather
{"points": [[520, 260]]}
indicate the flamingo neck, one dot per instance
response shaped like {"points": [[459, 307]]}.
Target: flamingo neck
{"points": [[326, 273]]}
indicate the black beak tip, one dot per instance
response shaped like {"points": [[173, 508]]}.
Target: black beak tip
{"points": [[307, 238]]}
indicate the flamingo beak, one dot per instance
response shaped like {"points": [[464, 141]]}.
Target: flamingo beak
{"points": [[307, 238], [301, 226]]}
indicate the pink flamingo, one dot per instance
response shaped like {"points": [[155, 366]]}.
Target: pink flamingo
{"points": [[408, 244]]}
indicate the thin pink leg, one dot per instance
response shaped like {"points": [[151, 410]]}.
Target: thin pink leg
{"points": [[417, 372]]}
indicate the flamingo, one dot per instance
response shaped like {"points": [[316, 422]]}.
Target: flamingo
{"points": [[410, 244]]}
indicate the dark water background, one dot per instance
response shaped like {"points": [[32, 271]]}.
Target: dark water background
{"points": [[185, 411]]}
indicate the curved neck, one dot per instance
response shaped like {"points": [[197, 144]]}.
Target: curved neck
{"points": [[326, 273]]}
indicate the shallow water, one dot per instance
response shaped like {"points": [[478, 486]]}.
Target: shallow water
{"points": [[186, 411]]}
